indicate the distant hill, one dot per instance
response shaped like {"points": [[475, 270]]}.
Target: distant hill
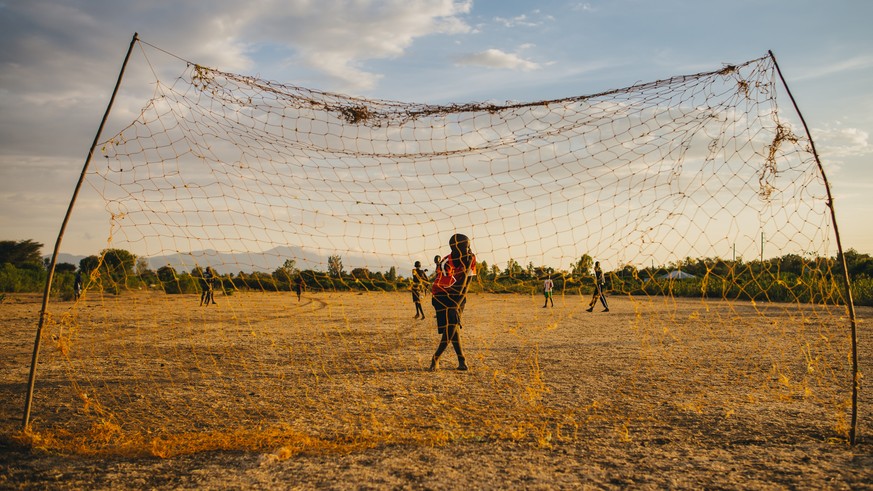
{"points": [[248, 262], [66, 258], [225, 263]]}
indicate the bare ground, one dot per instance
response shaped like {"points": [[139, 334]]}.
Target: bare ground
{"points": [[261, 391]]}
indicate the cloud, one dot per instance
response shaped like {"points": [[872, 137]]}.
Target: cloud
{"points": [[336, 37], [519, 20], [582, 7], [842, 142], [860, 62], [333, 37], [495, 58], [535, 19], [63, 57]]}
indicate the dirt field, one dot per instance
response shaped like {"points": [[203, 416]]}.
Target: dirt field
{"points": [[150, 391]]}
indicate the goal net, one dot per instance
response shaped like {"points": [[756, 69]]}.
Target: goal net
{"points": [[701, 201]]}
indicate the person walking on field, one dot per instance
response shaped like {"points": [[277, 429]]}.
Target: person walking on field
{"points": [[598, 289], [299, 286], [214, 284], [77, 285], [453, 276], [205, 287], [419, 282], [548, 285], [436, 263]]}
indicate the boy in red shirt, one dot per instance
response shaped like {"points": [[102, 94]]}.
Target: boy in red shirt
{"points": [[449, 289]]}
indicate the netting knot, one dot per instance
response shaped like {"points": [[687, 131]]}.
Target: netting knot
{"points": [[355, 114]]}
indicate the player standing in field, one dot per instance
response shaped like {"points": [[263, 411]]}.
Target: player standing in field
{"points": [[205, 287], [449, 289], [599, 282], [548, 285], [419, 281], [299, 286], [77, 285], [214, 283]]}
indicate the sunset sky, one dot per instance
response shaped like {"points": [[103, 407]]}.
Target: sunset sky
{"points": [[60, 60]]}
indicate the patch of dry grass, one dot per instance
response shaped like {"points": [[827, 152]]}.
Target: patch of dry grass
{"points": [[671, 391]]}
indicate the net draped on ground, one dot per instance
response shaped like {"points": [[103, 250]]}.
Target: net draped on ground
{"points": [[240, 174]]}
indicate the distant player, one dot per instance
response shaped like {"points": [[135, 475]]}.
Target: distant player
{"points": [[214, 284], [205, 286], [77, 285], [419, 282], [548, 285], [599, 282], [299, 286], [436, 264], [207, 296]]}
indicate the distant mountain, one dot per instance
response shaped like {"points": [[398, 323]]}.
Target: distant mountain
{"points": [[66, 258], [248, 262]]}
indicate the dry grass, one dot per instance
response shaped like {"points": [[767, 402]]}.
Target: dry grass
{"points": [[149, 390]]}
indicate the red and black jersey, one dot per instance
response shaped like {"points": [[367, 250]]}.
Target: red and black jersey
{"points": [[450, 275]]}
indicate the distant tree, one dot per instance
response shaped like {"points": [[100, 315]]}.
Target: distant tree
{"points": [[859, 264], [65, 268], [361, 273], [146, 275], [198, 272], [285, 272], [169, 279], [513, 268], [88, 264], [167, 274], [149, 277], [695, 266], [118, 263], [142, 266], [20, 252], [335, 266], [482, 270], [582, 267], [392, 274], [258, 280], [626, 278]]}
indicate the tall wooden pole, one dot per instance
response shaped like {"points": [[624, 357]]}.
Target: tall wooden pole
{"points": [[856, 377], [25, 423]]}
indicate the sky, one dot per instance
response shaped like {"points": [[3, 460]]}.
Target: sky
{"points": [[60, 59]]}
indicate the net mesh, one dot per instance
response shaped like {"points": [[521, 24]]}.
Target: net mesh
{"points": [[703, 206]]}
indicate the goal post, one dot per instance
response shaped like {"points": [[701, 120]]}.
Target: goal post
{"points": [[28, 398], [227, 191]]}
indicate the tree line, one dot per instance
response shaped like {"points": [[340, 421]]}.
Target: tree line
{"points": [[784, 279]]}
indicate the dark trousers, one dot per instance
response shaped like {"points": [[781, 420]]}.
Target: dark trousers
{"points": [[448, 312], [416, 299], [598, 293]]}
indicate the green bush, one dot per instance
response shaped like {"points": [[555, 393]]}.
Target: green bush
{"points": [[862, 291], [788, 279], [21, 280]]}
